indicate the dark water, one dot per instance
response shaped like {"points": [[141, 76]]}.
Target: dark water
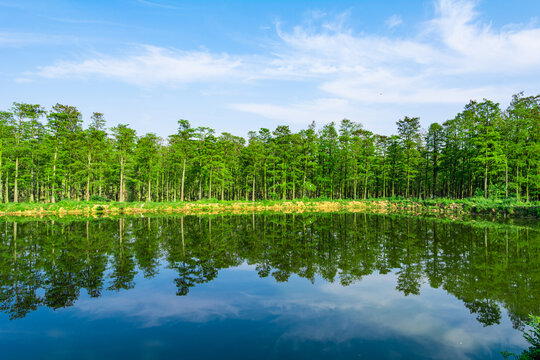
{"points": [[332, 286]]}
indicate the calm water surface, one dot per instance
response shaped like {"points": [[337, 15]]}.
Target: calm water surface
{"points": [[331, 286]]}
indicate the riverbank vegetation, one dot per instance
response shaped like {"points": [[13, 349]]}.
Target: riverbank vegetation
{"points": [[533, 338], [484, 151], [460, 208]]}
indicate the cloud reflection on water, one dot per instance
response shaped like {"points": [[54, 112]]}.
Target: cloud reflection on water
{"points": [[371, 310]]}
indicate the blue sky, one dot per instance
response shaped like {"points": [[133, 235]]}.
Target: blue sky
{"points": [[241, 65]]}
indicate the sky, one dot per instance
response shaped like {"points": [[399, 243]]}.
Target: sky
{"points": [[237, 66]]}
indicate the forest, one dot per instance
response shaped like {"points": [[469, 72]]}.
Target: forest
{"points": [[48, 156]]}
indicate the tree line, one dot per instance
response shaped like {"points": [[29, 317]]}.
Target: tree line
{"points": [[48, 156]]}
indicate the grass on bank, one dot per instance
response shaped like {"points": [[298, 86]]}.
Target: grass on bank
{"points": [[477, 205]]}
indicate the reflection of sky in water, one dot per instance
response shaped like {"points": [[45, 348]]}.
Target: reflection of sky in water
{"points": [[239, 315]]}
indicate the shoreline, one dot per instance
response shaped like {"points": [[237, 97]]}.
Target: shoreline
{"points": [[436, 207]]}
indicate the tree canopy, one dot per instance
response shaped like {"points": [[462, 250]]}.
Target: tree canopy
{"points": [[47, 156]]}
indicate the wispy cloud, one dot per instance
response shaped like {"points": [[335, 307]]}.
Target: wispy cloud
{"points": [[20, 39], [393, 21], [452, 58], [372, 68], [370, 310], [320, 111], [159, 4], [477, 47], [150, 66], [83, 21]]}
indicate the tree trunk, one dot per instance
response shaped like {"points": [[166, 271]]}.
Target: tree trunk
{"points": [[408, 182], [210, 186], [527, 182], [53, 182], [293, 186], [304, 184], [365, 185], [6, 198], [88, 178], [15, 190], [222, 190], [486, 181], [200, 187], [284, 185], [32, 175], [517, 183], [100, 184], [183, 178], [167, 188], [121, 190], [506, 177], [162, 190], [253, 189], [355, 186]]}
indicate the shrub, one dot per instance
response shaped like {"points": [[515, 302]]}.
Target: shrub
{"points": [[99, 198], [533, 338]]}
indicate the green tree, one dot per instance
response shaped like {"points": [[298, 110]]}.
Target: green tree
{"points": [[65, 123], [409, 132], [125, 138]]}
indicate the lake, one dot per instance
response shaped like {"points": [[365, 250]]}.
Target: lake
{"points": [[287, 286]]}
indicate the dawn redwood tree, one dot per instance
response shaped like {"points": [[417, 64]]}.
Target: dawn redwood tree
{"points": [[25, 125], [94, 145], [395, 163], [182, 145], [328, 160], [481, 151], [308, 157], [380, 165], [64, 123], [146, 161], [434, 142], [6, 145], [124, 144], [409, 132], [523, 119], [486, 116]]}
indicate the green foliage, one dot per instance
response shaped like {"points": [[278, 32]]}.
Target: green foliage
{"points": [[98, 198], [482, 152], [533, 338]]}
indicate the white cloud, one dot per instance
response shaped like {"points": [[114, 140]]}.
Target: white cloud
{"points": [[329, 313], [419, 69], [393, 21], [453, 57], [454, 41], [320, 111], [385, 88], [152, 65], [20, 39], [478, 47], [159, 4]]}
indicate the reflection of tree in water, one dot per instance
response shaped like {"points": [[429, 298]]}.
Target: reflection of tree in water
{"points": [[487, 311], [486, 265], [193, 273], [408, 281], [20, 298]]}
